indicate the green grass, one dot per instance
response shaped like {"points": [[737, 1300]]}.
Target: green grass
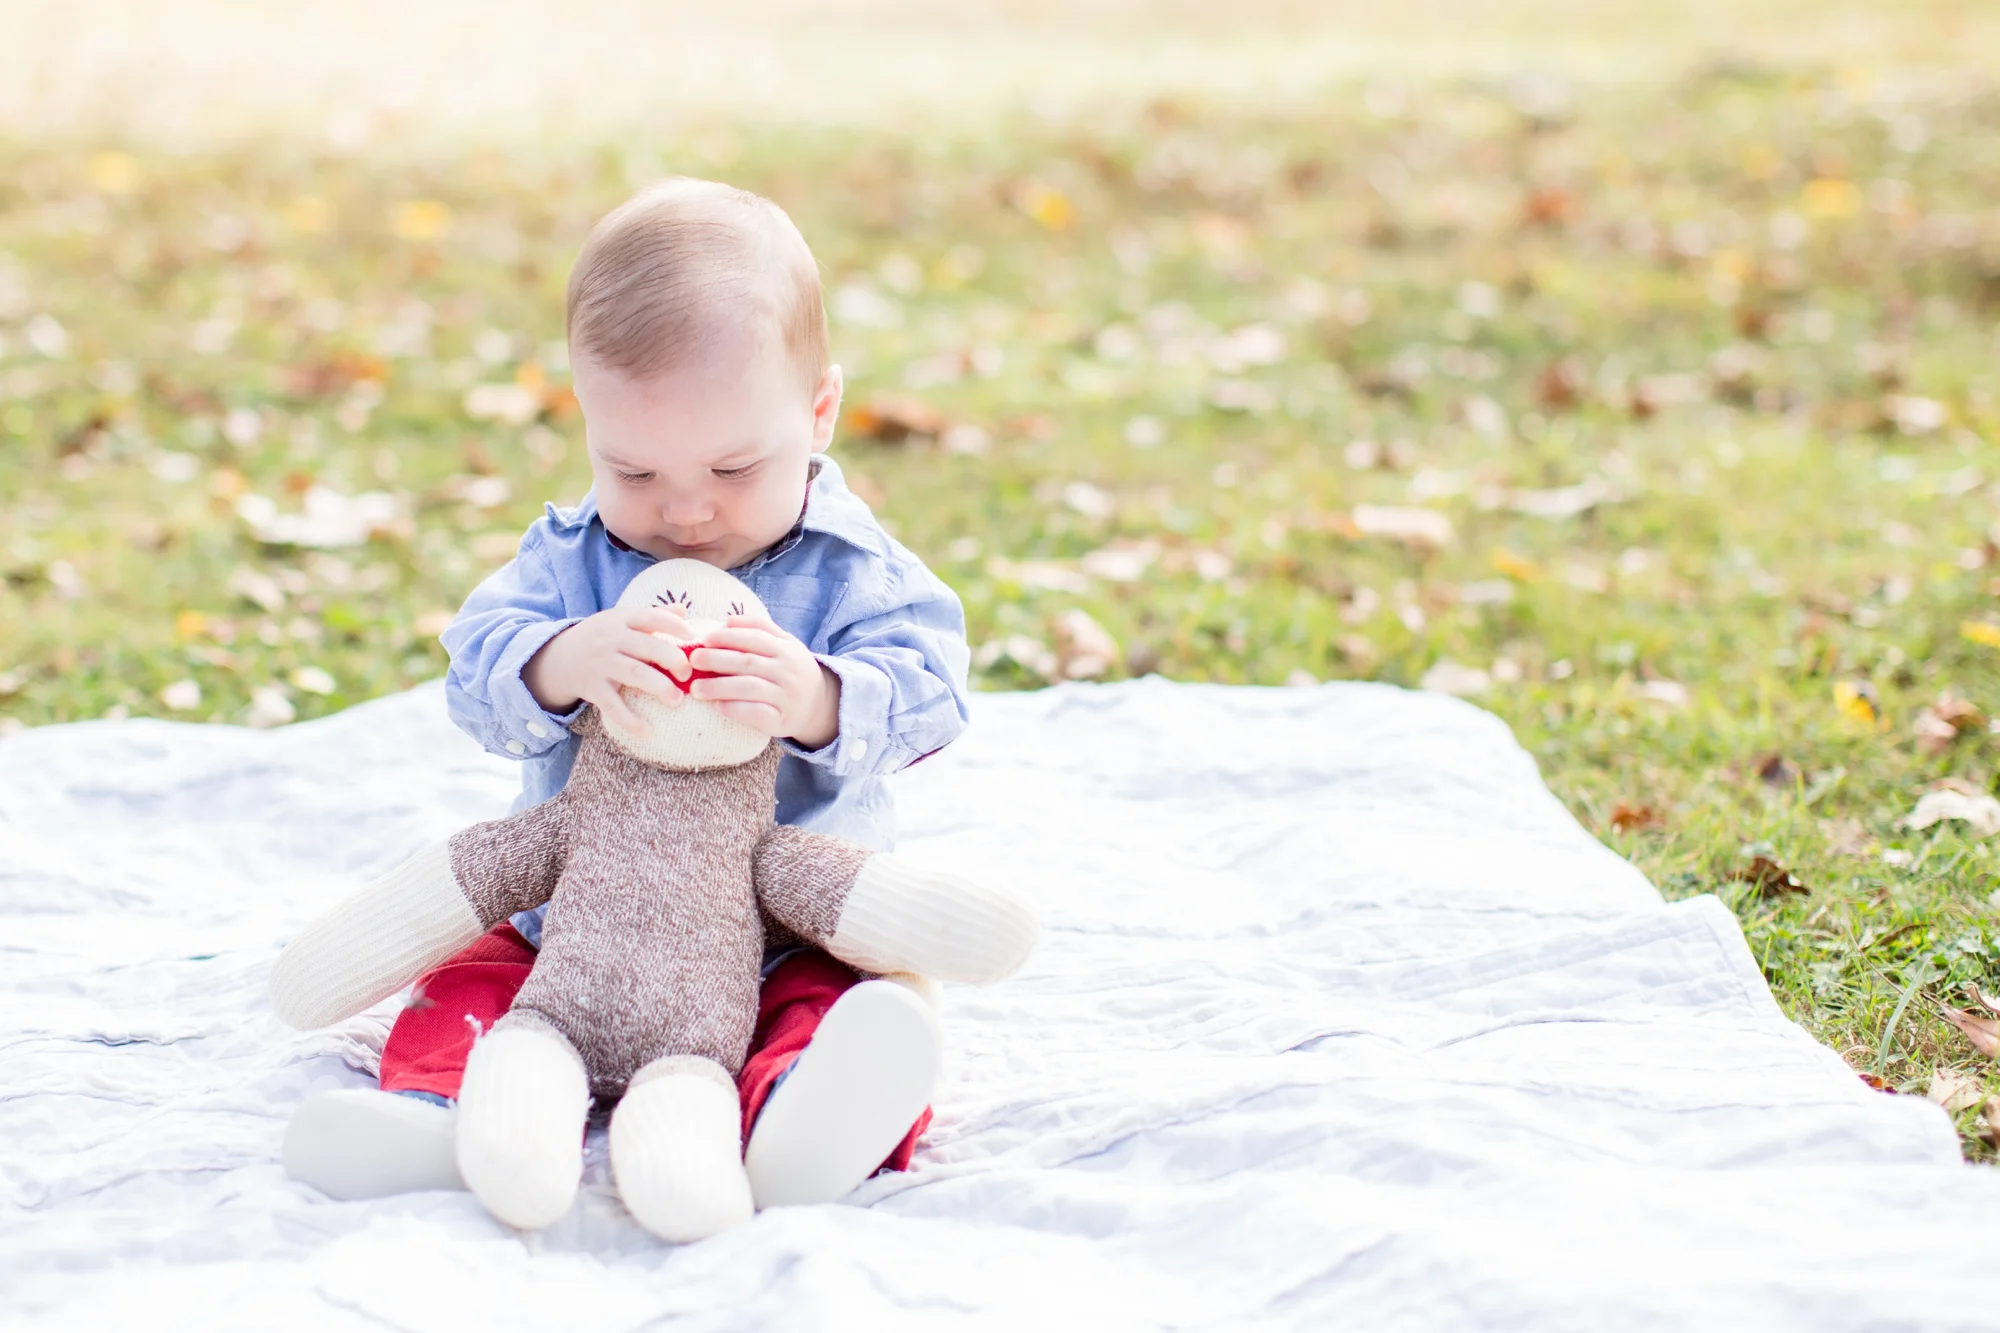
{"points": [[1753, 314]]}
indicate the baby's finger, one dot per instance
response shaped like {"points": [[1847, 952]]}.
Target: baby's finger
{"points": [[757, 716], [762, 640], [715, 689], [617, 712], [728, 662], [631, 673], [670, 657], [658, 620]]}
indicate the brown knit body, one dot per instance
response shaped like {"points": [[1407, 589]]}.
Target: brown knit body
{"points": [[660, 886]]}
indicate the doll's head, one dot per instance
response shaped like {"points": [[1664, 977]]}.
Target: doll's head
{"points": [[693, 735]]}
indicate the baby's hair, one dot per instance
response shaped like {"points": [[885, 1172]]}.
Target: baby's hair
{"points": [[685, 262]]}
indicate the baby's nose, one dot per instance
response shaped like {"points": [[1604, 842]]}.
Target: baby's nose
{"points": [[687, 509]]}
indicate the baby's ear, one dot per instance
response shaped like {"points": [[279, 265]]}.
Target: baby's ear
{"points": [[826, 408]]}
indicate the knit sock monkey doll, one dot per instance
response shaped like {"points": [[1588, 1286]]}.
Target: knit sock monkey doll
{"points": [[665, 871]]}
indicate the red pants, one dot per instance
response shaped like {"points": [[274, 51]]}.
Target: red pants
{"points": [[462, 997]]}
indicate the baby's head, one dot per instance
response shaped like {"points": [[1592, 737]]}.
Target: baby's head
{"points": [[698, 341]]}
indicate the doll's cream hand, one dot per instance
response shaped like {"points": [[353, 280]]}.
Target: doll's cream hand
{"points": [[768, 680], [614, 650]]}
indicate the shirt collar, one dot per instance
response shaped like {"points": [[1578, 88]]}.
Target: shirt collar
{"points": [[830, 508]]}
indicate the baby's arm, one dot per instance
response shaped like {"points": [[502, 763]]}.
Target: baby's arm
{"points": [[523, 662], [508, 618], [418, 915], [895, 664]]}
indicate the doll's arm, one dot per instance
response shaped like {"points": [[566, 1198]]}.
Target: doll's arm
{"points": [[878, 913], [418, 915]]}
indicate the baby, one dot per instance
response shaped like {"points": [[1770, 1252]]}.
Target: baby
{"points": [[699, 348]]}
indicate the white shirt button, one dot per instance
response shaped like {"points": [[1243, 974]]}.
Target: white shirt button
{"points": [[537, 730], [516, 747], [858, 747]]}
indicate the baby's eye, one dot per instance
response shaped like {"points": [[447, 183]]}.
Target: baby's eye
{"points": [[732, 473], [635, 478]]}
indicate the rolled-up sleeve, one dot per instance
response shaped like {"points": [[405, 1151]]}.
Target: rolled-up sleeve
{"points": [[902, 670], [505, 621]]}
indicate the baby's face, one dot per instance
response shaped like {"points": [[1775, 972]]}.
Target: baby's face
{"points": [[709, 461]]}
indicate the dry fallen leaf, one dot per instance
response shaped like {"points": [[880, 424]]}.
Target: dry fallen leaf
{"points": [[1565, 501], [328, 518], [1990, 1130], [894, 418], [1954, 1091], [1774, 770], [1625, 817], [1085, 647], [332, 375], [1769, 877], [1943, 722], [1977, 810], [1425, 529], [1449, 677], [1983, 1033], [1562, 383], [1848, 837], [1549, 206]]}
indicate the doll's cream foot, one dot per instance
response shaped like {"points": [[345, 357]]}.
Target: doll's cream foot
{"points": [[521, 1112], [362, 1143], [850, 1098], [677, 1149], [902, 918], [367, 948]]}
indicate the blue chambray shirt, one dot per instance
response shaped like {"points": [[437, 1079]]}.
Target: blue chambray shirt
{"points": [[862, 602]]}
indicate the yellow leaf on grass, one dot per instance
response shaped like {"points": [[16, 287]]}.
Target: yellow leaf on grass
{"points": [[1981, 632], [188, 624], [1830, 197], [1761, 161], [1514, 566], [114, 173], [308, 213], [420, 219], [1856, 701], [1052, 208]]}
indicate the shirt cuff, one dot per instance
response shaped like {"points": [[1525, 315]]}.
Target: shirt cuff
{"points": [[861, 744], [527, 728]]}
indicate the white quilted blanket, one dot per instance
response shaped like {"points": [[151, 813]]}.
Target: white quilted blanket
{"points": [[1339, 1020]]}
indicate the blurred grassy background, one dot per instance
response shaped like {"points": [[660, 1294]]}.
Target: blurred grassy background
{"points": [[1634, 371]]}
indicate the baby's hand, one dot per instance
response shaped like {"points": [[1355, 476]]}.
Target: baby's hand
{"points": [[768, 680], [617, 648]]}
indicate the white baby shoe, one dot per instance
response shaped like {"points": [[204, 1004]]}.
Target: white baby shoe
{"points": [[677, 1150], [521, 1112], [362, 1143], [853, 1094]]}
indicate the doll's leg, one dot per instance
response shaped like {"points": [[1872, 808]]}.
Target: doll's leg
{"points": [[364, 1143], [677, 1149], [521, 1111], [837, 1082], [882, 914]]}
